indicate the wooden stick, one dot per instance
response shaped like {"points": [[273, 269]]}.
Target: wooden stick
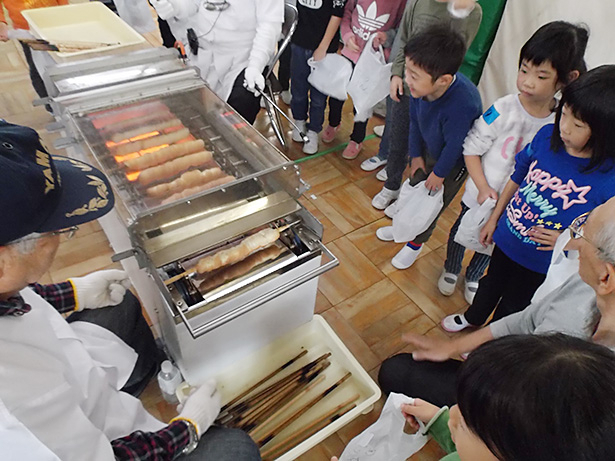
{"points": [[264, 380], [264, 411], [290, 419], [292, 401], [303, 370], [311, 428]]}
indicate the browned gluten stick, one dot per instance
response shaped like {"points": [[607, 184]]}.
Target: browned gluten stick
{"points": [[136, 146], [186, 180], [174, 167], [249, 245], [135, 122], [240, 268], [195, 190], [166, 154], [143, 129]]}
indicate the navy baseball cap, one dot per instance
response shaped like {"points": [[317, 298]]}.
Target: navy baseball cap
{"points": [[42, 193]]}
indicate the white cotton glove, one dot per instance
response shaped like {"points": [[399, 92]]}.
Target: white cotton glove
{"points": [[202, 406], [164, 8], [253, 79], [100, 289]]}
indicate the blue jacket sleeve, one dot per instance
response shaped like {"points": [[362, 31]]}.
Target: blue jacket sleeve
{"points": [[455, 129], [415, 140]]}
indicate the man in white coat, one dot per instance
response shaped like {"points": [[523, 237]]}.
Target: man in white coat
{"points": [[231, 43], [60, 382]]}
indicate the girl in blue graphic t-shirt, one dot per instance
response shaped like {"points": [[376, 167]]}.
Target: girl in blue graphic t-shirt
{"points": [[568, 169]]}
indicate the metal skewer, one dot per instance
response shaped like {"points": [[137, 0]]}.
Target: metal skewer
{"points": [[282, 113]]}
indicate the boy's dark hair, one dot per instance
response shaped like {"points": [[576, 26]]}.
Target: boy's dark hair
{"points": [[591, 98], [560, 43], [437, 49], [541, 398]]}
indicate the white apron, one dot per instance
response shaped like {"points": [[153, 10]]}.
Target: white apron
{"points": [[226, 39], [52, 385]]}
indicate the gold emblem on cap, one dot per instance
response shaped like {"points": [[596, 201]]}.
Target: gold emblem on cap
{"points": [[95, 203], [42, 159]]}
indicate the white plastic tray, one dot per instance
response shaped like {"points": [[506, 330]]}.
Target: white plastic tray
{"points": [[318, 338], [83, 22]]}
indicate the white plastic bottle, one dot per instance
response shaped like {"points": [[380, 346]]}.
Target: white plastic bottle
{"points": [[169, 378]]}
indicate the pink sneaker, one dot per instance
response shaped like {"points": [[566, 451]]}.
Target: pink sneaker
{"points": [[328, 134], [352, 150]]}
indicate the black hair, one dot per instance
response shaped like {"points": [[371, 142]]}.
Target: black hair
{"points": [[591, 98], [541, 398], [562, 44], [437, 49]]}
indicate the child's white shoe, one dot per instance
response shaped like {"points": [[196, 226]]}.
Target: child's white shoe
{"points": [[391, 210], [470, 291], [454, 323], [311, 145], [384, 198], [296, 135], [286, 97], [406, 257], [385, 234], [382, 175], [447, 283]]}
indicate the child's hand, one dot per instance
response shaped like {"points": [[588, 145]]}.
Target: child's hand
{"points": [[427, 348], [546, 237], [486, 193], [352, 44], [416, 164], [434, 182], [379, 39], [420, 411], [486, 233], [319, 54], [397, 88]]}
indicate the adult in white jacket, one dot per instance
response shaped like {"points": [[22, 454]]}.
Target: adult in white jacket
{"points": [[236, 39]]}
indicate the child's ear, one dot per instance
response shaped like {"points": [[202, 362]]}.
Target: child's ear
{"points": [[573, 75], [445, 80]]}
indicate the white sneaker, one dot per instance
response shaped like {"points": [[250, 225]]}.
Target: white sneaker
{"points": [[311, 145], [391, 210], [372, 163], [296, 135], [382, 175], [384, 198], [378, 130], [385, 233], [406, 257], [470, 291], [286, 97], [454, 323], [263, 104], [447, 283]]}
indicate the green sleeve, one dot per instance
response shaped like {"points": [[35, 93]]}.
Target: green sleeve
{"points": [[399, 62], [440, 432]]}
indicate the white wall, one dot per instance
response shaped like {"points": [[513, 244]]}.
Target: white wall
{"points": [[522, 17]]}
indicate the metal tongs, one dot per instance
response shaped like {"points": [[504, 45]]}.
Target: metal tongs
{"points": [[275, 106]]}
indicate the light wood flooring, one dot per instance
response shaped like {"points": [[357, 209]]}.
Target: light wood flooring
{"points": [[366, 301]]}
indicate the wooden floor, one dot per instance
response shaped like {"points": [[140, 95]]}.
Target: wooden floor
{"points": [[366, 301]]}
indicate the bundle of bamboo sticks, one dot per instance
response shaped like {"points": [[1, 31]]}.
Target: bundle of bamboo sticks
{"points": [[268, 407]]}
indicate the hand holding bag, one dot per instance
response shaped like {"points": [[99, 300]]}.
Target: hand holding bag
{"points": [[386, 439], [468, 232], [416, 209], [331, 75], [370, 80]]}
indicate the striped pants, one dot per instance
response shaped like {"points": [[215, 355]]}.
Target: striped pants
{"points": [[455, 252]]}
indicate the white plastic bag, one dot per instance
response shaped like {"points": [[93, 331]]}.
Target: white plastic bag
{"points": [[563, 265], [370, 80], [468, 233], [137, 14], [416, 209], [331, 75], [385, 440]]}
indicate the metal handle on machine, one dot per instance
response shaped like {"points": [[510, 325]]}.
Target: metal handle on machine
{"points": [[256, 302]]}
